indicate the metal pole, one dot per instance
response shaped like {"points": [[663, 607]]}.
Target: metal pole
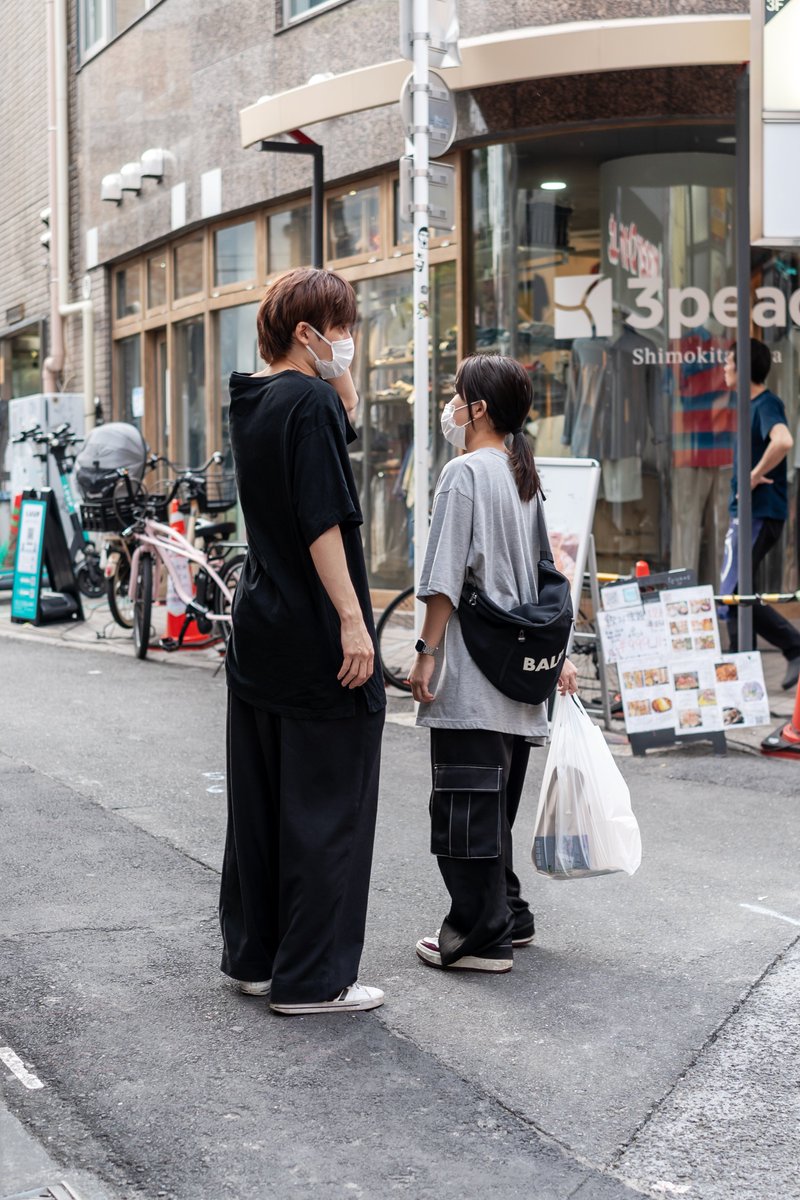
{"points": [[420, 193], [317, 191], [743, 435], [317, 188]]}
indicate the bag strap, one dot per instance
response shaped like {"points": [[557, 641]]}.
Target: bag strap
{"points": [[544, 540]]}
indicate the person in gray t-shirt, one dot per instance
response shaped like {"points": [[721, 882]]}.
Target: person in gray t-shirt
{"points": [[484, 528]]}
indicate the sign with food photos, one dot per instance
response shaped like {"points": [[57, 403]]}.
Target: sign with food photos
{"points": [[684, 682]]}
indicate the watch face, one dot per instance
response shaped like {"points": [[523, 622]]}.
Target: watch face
{"points": [[420, 646]]}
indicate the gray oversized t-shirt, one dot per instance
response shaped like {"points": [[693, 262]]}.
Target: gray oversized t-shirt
{"points": [[479, 526]]}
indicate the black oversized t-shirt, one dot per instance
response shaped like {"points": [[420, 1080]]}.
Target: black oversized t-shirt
{"points": [[289, 437]]}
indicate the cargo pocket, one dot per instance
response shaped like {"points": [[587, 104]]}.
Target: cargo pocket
{"points": [[465, 811]]}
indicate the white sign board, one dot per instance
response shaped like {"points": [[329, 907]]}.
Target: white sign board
{"points": [[442, 122], [441, 195], [775, 122], [570, 487]]}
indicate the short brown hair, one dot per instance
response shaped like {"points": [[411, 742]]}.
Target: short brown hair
{"points": [[306, 294]]}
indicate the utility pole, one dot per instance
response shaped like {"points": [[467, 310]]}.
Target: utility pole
{"points": [[743, 451], [421, 198]]}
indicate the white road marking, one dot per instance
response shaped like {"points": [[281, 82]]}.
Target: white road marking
{"points": [[15, 1064], [770, 912]]}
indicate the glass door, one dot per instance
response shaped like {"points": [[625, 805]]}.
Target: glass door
{"points": [[157, 399]]}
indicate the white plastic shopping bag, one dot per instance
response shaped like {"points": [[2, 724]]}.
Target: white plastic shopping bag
{"points": [[584, 824]]}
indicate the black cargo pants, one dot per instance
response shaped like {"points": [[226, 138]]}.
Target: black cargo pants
{"points": [[302, 800], [477, 784]]}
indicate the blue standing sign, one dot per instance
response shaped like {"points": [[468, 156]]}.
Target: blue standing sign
{"points": [[28, 561]]}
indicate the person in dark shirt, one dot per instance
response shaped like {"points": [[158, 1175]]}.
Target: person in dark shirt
{"points": [[306, 700], [771, 441]]}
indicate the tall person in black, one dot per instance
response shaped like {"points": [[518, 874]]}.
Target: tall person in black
{"points": [[306, 700]]}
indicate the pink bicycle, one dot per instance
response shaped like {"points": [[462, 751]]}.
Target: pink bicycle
{"points": [[204, 577]]}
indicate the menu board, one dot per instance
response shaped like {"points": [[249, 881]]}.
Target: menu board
{"points": [[672, 672], [722, 694], [691, 620]]}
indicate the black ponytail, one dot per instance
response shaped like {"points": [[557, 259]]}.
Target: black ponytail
{"points": [[506, 388], [520, 457]]}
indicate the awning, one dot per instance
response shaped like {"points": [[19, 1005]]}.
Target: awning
{"points": [[510, 57]]}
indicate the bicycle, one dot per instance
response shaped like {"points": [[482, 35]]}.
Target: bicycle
{"points": [[83, 552], [207, 593], [395, 635]]}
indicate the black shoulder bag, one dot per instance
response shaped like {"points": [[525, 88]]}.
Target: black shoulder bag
{"points": [[521, 650]]}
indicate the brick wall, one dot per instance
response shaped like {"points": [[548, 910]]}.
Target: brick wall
{"points": [[23, 121]]}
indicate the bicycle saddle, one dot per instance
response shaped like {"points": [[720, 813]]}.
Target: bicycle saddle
{"points": [[210, 531]]}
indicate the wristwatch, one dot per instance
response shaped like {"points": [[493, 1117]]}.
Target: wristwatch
{"points": [[422, 647]]}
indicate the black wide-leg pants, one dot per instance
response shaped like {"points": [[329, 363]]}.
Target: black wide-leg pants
{"points": [[478, 777], [302, 801]]}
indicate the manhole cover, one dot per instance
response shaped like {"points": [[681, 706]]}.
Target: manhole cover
{"points": [[54, 1191]]}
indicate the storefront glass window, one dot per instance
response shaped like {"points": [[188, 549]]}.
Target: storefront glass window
{"points": [[777, 276], [129, 376], [235, 253], [236, 350], [128, 288], [187, 266], [190, 391], [354, 224], [157, 280], [289, 239], [383, 455], [600, 267]]}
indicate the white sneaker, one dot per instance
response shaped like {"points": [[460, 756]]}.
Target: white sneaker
{"points": [[248, 988], [428, 950], [355, 998]]}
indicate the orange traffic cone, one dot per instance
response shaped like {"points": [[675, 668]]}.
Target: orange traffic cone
{"points": [[784, 742], [176, 609]]}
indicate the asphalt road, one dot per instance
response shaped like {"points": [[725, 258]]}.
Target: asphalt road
{"points": [[646, 1043]]}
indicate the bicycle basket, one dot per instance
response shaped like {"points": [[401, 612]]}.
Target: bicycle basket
{"points": [[108, 515], [113, 514], [218, 493]]}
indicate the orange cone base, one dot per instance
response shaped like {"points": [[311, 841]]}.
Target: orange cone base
{"points": [[192, 635], [783, 742]]}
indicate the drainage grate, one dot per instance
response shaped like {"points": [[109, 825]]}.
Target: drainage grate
{"points": [[53, 1191]]}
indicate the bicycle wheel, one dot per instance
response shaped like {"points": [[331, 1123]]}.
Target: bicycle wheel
{"points": [[396, 639], [584, 656], [142, 605], [117, 593], [229, 574], [88, 575]]}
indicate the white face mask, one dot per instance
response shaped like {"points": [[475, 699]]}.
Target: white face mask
{"points": [[343, 352], [456, 435]]}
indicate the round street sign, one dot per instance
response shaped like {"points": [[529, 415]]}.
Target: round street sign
{"points": [[442, 113]]}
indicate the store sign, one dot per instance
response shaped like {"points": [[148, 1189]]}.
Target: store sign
{"points": [[628, 249], [584, 307]]}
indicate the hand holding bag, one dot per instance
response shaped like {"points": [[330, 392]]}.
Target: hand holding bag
{"points": [[584, 824], [521, 650]]}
